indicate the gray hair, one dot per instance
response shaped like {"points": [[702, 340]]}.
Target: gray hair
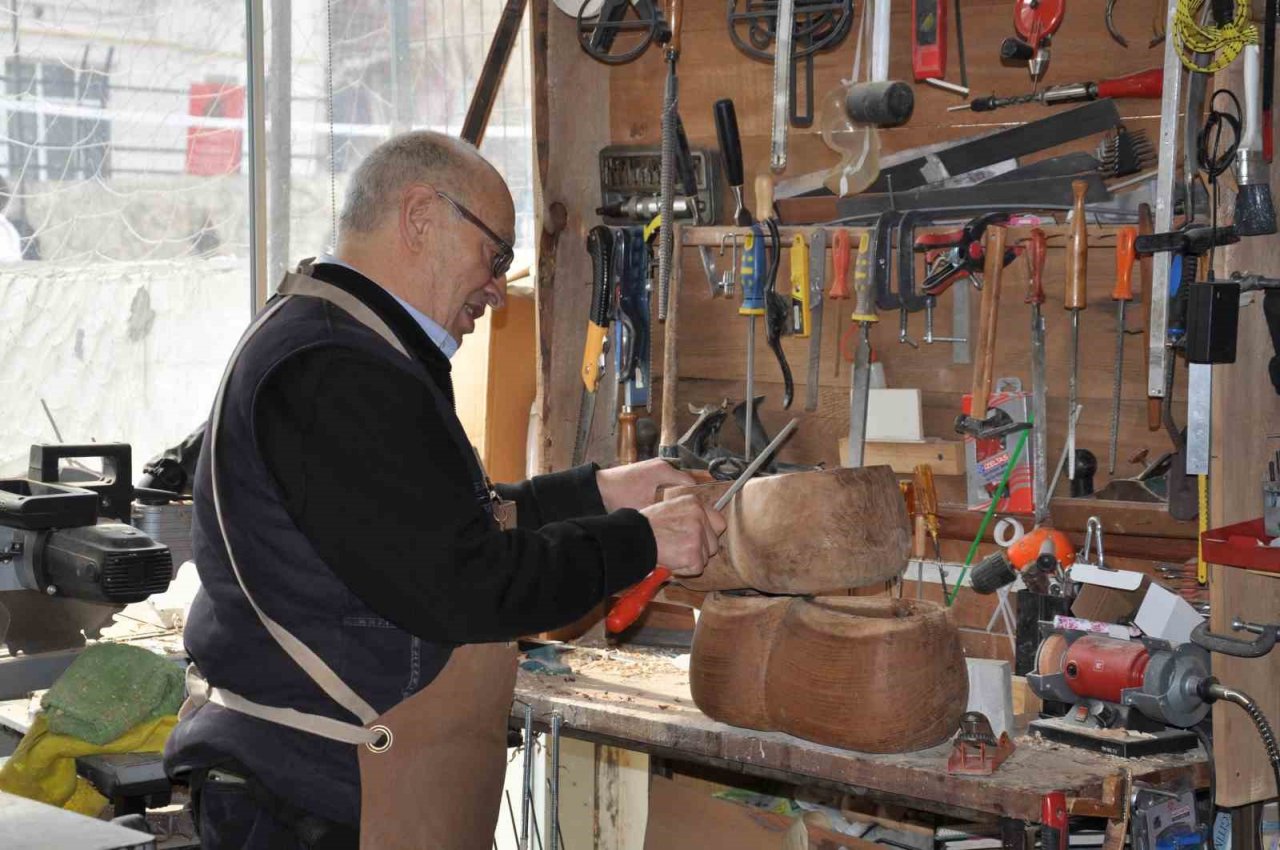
{"points": [[420, 155]]}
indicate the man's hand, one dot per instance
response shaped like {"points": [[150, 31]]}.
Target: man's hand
{"points": [[687, 533], [636, 484]]}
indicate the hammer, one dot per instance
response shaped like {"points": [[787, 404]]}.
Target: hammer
{"points": [[977, 423]]}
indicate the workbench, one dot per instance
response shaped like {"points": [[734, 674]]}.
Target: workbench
{"points": [[640, 701]]}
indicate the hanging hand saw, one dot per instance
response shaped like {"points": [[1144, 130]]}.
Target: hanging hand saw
{"points": [[600, 244]]}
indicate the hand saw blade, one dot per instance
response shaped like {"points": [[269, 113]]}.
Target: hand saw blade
{"points": [[41, 623]]}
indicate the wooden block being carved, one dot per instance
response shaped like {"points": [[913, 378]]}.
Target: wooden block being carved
{"points": [[870, 674], [807, 532]]}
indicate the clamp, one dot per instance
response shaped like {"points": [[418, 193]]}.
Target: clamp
{"points": [[959, 254]]}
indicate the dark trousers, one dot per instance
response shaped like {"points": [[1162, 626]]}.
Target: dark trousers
{"points": [[232, 811]]}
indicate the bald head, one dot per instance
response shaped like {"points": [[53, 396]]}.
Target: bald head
{"points": [[451, 165]]}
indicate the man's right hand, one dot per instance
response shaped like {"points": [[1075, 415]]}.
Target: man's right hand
{"points": [[687, 534]]}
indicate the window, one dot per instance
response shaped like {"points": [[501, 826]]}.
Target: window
{"points": [[126, 209], [54, 133]]}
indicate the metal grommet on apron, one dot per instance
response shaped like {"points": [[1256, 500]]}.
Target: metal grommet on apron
{"points": [[383, 742], [459, 719]]}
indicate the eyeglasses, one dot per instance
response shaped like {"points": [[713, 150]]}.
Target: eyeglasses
{"points": [[505, 254]]}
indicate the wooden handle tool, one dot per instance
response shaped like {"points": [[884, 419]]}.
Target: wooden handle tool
{"points": [[984, 366]]}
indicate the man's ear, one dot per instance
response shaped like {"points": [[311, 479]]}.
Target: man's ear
{"points": [[416, 210]]}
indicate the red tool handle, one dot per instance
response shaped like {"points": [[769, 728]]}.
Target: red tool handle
{"points": [[1148, 83], [938, 240], [840, 250], [1125, 239], [1053, 821], [929, 39], [632, 602], [1037, 244]]}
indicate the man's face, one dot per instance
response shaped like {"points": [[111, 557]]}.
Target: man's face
{"points": [[467, 282]]}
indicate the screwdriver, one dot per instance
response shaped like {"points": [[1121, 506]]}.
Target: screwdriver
{"points": [[1075, 301], [1121, 294], [1145, 84], [799, 287], [927, 505], [631, 604], [840, 249], [752, 277], [864, 313]]}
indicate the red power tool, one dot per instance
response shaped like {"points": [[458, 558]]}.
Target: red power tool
{"points": [[1035, 21], [1039, 555]]}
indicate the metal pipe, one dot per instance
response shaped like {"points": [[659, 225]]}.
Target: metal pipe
{"points": [[553, 827], [526, 806], [280, 139], [255, 72]]}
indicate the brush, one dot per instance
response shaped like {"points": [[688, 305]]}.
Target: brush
{"points": [[1255, 213]]}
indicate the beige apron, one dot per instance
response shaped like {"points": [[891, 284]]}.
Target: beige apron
{"points": [[431, 768]]}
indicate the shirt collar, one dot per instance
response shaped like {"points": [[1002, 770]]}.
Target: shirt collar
{"points": [[437, 334]]}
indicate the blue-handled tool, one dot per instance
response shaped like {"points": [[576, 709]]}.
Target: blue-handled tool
{"points": [[753, 274]]}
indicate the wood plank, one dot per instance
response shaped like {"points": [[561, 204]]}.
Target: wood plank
{"points": [[945, 456], [1246, 412], [575, 137]]}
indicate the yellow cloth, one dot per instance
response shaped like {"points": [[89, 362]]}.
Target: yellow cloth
{"points": [[43, 767]]}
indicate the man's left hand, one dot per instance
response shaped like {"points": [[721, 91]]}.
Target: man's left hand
{"points": [[635, 485]]}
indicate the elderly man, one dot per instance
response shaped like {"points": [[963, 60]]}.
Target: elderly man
{"points": [[362, 579]]}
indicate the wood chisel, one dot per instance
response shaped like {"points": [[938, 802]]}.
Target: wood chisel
{"points": [[631, 603], [800, 300], [1076, 301], [817, 282], [667, 177], [600, 247], [752, 277], [1122, 294], [864, 313], [1036, 250], [782, 67]]}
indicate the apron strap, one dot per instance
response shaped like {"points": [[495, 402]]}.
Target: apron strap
{"points": [[199, 692], [311, 663], [296, 283]]}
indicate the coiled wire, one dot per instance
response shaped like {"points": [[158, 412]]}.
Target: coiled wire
{"points": [[1227, 41]]}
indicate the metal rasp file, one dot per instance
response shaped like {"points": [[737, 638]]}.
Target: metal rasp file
{"points": [[817, 282]]}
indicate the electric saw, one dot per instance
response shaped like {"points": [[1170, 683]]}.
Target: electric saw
{"points": [[69, 560]]}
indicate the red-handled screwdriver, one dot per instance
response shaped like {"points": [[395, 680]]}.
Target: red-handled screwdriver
{"points": [[1145, 84], [1122, 294], [632, 602]]}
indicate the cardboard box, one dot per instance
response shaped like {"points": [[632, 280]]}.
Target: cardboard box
{"points": [[986, 460], [1108, 596]]}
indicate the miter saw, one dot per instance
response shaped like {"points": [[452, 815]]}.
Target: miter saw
{"points": [[69, 560]]}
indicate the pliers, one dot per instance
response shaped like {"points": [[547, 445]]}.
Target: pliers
{"points": [[958, 254]]}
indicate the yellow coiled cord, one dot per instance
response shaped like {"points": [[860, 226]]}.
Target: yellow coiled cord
{"points": [[1226, 41]]}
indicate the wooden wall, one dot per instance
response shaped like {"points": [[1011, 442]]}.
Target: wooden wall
{"points": [[712, 345], [588, 105]]}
